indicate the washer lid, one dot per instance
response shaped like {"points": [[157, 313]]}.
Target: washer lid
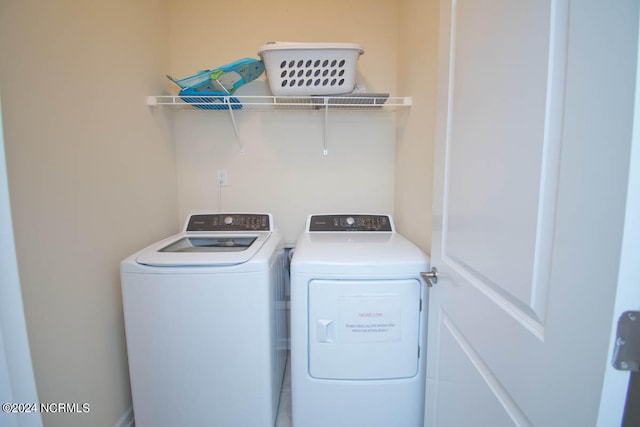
{"points": [[197, 249], [201, 244]]}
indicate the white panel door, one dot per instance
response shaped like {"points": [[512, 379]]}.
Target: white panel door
{"points": [[534, 135]]}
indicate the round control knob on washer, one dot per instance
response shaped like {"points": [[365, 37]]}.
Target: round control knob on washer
{"points": [[350, 220], [228, 220]]}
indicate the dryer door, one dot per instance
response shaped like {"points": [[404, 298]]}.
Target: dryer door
{"points": [[364, 329]]}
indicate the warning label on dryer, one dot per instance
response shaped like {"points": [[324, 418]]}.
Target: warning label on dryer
{"points": [[369, 319]]}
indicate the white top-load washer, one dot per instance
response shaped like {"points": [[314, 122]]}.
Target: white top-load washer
{"points": [[358, 324], [205, 323]]}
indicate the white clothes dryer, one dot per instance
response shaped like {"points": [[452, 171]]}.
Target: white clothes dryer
{"points": [[205, 326], [358, 324]]}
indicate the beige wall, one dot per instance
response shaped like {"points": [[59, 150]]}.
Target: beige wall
{"points": [[207, 33], [94, 174], [283, 169], [91, 179], [417, 75]]}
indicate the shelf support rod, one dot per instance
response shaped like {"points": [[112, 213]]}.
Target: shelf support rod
{"points": [[326, 124], [235, 125]]}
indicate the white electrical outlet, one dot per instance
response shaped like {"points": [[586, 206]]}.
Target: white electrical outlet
{"points": [[223, 177]]}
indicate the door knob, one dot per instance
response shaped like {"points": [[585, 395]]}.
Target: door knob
{"points": [[430, 277]]}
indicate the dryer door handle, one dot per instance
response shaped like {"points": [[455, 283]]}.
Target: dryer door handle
{"points": [[324, 330]]}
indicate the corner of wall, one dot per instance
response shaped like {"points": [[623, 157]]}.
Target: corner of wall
{"points": [[417, 77]]}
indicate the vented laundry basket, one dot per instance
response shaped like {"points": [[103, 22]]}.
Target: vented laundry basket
{"points": [[310, 68]]}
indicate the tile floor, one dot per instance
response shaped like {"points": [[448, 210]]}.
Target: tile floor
{"points": [[283, 418]]}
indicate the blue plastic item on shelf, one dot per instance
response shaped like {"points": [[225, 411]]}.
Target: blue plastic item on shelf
{"points": [[199, 81], [226, 78], [220, 82], [209, 100]]}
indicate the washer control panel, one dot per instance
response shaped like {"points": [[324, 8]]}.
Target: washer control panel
{"points": [[229, 222], [346, 222]]}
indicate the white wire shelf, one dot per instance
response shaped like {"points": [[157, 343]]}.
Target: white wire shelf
{"points": [[368, 102], [324, 104]]}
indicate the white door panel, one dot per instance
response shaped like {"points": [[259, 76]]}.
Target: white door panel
{"points": [[533, 132], [466, 378], [502, 162]]}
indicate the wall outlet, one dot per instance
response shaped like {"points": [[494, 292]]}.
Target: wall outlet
{"points": [[223, 178]]}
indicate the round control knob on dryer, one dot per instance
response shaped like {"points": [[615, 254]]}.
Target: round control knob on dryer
{"points": [[350, 220], [228, 220]]}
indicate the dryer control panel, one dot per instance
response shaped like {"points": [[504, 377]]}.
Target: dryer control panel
{"points": [[350, 223], [229, 222]]}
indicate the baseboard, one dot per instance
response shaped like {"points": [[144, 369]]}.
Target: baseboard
{"points": [[126, 420]]}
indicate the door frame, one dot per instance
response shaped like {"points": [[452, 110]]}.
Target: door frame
{"points": [[613, 400], [15, 356]]}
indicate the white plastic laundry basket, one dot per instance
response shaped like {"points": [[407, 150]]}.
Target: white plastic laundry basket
{"points": [[310, 68]]}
